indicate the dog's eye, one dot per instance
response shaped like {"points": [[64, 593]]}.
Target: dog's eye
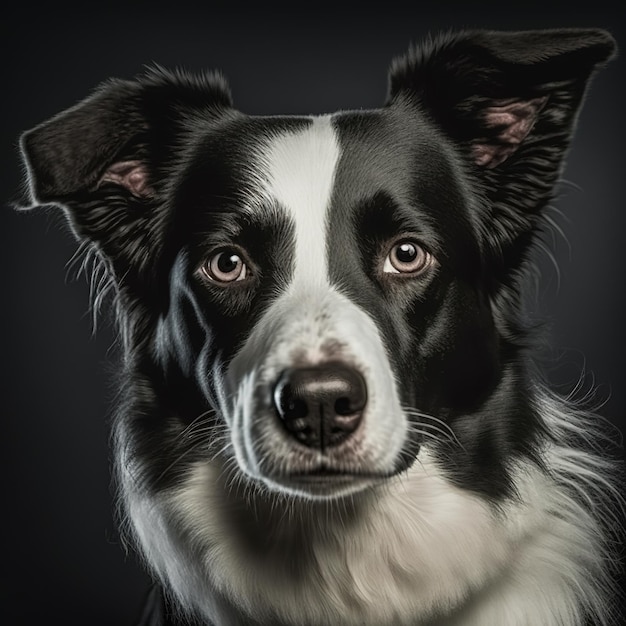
{"points": [[407, 257], [226, 266]]}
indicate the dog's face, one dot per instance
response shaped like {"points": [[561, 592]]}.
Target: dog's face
{"points": [[319, 297], [328, 275]]}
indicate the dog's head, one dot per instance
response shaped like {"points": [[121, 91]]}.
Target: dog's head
{"points": [[318, 298]]}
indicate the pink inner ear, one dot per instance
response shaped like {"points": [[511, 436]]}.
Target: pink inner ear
{"points": [[133, 175], [514, 121]]}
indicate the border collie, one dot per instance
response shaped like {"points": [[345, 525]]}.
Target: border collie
{"points": [[328, 411]]}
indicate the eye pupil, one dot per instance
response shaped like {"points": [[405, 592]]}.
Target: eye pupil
{"points": [[406, 252], [227, 263]]}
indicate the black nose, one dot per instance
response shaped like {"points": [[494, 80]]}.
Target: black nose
{"points": [[321, 406]]}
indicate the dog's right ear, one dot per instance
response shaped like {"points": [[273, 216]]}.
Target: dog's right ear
{"points": [[509, 101], [102, 159]]}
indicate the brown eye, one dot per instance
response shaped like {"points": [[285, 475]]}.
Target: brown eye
{"points": [[407, 257], [226, 266]]}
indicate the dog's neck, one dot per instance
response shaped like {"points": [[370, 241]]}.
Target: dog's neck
{"points": [[301, 562]]}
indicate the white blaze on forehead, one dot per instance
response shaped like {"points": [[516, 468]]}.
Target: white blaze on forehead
{"points": [[300, 169]]}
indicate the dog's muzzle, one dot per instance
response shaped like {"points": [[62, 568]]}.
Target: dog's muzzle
{"points": [[320, 406]]}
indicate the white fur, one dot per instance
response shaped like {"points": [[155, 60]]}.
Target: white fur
{"points": [[297, 171], [420, 546], [418, 551], [315, 326]]}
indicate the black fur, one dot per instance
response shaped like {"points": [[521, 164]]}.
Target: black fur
{"points": [[431, 162]]}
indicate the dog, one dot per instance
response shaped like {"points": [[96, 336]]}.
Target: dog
{"points": [[329, 411]]}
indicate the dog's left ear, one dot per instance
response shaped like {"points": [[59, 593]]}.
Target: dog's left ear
{"points": [[106, 160], [509, 100]]}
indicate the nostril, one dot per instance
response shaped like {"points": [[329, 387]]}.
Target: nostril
{"points": [[346, 406], [289, 403]]}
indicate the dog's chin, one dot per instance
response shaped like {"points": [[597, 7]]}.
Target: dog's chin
{"points": [[323, 484]]}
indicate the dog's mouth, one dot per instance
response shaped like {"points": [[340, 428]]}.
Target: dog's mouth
{"points": [[324, 476], [329, 482]]}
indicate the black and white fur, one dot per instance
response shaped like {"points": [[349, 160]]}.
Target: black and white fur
{"points": [[467, 494]]}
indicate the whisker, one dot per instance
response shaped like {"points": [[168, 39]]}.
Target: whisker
{"points": [[556, 228], [439, 426], [192, 424], [173, 463], [543, 247]]}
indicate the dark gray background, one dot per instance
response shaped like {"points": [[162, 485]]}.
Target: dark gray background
{"points": [[62, 551]]}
